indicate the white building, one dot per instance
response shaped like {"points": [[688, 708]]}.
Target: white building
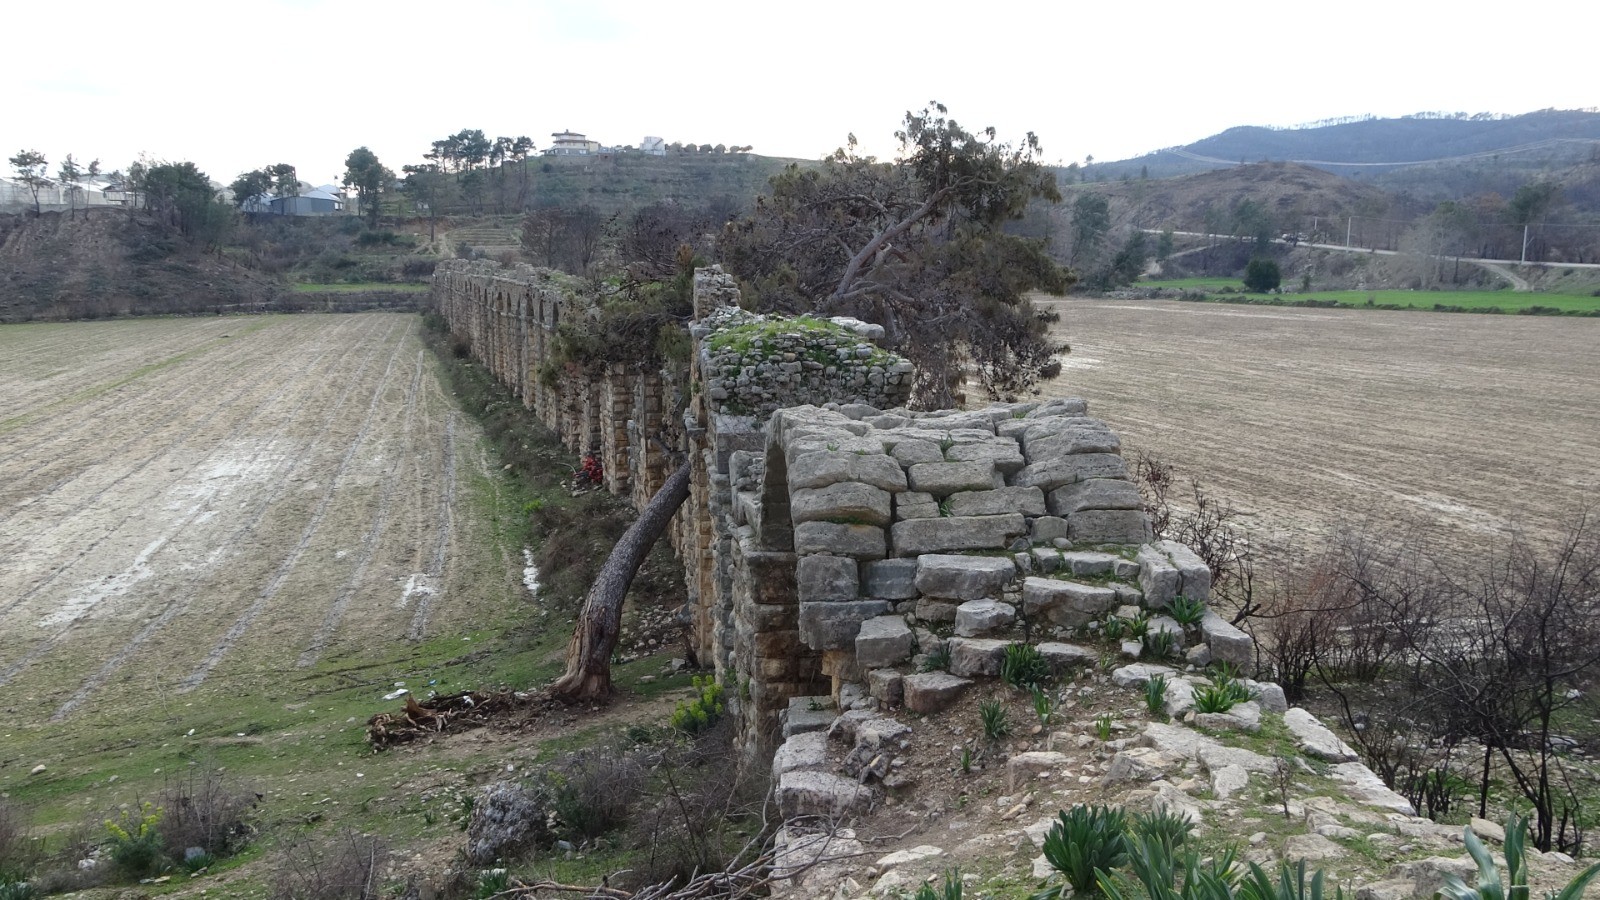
{"points": [[653, 146], [571, 143]]}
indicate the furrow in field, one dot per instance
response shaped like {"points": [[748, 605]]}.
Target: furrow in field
{"points": [[374, 534], [270, 590], [446, 518], [264, 453], [239, 542], [136, 509]]}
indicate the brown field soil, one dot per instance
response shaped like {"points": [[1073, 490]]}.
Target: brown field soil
{"points": [[1313, 419], [203, 505]]}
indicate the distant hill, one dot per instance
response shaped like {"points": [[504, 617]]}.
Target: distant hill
{"points": [[1424, 154], [105, 262], [1292, 195], [615, 183]]}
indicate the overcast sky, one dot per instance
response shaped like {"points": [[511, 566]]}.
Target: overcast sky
{"points": [[239, 84]]}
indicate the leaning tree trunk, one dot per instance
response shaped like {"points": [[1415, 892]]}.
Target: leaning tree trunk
{"points": [[588, 675]]}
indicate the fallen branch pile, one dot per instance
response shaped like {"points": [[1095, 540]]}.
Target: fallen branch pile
{"points": [[452, 712]]}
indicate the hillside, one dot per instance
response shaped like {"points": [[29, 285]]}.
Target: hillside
{"points": [[614, 183], [1374, 146], [1289, 192], [105, 263], [1426, 158]]}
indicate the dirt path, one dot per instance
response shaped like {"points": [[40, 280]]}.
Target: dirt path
{"points": [[1312, 418], [197, 505]]}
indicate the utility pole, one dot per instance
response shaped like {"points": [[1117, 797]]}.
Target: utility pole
{"points": [[1348, 224], [1524, 245]]}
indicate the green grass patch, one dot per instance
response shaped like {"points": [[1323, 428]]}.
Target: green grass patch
{"points": [[303, 287], [1225, 290]]}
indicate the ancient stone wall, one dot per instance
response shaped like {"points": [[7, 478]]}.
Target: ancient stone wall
{"points": [[833, 540]]}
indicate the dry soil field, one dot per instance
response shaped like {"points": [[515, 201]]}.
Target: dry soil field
{"points": [[1308, 419], [198, 508]]}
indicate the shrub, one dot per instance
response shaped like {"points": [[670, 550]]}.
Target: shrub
{"points": [[16, 851], [1262, 275], [590, 792], [1085, 839], [349, 867], [1102, 726], [200, 810], [993, 716], [1023, 666], [1138, 626], [135, 844], [699, 714], [1113, 628], [936, 659]]}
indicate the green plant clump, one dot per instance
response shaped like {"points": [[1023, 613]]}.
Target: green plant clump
{"points": [[135, 843], [993, 715], [1023, 666], [1043, 706], [1490, 887], [1083, 840], [950, 890], [1102, 726], [1155, 694], [1186, 612], [937, 658], [695, 716], [1221, 695], [1160, 643]]}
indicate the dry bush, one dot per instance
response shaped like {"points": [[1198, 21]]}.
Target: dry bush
{"points": [[348, 867], [592, 792], [59, 873], [17, 850], [200, 809], [699, 813]]}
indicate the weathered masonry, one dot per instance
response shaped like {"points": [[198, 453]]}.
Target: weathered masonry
{"points": [[834, 541]]}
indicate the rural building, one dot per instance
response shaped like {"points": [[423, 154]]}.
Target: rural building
{"points": [[571, 143], [311, 201], [653, 146]]}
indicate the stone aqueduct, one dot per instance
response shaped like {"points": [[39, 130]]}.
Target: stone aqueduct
{"points": [[832, 538]]}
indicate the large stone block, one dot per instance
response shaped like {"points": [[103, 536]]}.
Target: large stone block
{"points": [[962, 577], [1060, 406], [942, 479], [886, 686], [1026, 500], [1049, 474], [1003, 452], [1227, 642], [976, 617], [1193, 573], [821, 577], [1095, 493], [1052, 439], [1158, 577], [807, 750], [976, 656], [804, 792], [1045, 529], [1062, 657], [910, 451], [856, 541], [1108, 526], [935, 611], [883, 641], [834, 626], [1067, 603], [1089, 562], [1315, 739], [847, 500], [915, 505], [920, 536], [822, 468], [932, 692], [1023, 768], [890, 579]]}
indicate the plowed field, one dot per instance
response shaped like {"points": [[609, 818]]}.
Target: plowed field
{"points": [[1308, 419], [201, 508]]}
